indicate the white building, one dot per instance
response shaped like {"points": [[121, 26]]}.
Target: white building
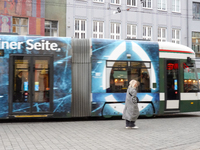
{"points": [[175, 21]]}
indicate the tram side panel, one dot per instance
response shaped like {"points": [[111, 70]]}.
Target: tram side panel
{"points": [[4, 80], [59, 49], [119, 55]]}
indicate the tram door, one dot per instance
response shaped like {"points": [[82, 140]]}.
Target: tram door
{"points": [[30, 84], [172, 95]]}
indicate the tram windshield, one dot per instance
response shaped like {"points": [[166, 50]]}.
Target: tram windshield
{"points": [[192, 76], [197, 66]]}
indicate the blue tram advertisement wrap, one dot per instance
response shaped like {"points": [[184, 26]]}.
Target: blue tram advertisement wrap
{"points": [[66, 77]]}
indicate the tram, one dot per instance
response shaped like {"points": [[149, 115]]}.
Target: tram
{"points": [[63, 77]]}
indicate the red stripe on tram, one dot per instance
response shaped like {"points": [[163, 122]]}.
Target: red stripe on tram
{"points": [[175, 51]]}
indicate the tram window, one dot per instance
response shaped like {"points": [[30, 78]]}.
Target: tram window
{"points": [[141, 75], [118, 81], [21, 77], [141, 64], [120, 73], [190, 79], [117, 64], [41, 81]]}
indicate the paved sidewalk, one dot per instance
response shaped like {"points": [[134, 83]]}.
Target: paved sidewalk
{"points": [[173, 132]]}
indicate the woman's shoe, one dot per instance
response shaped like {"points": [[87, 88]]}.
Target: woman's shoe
{"points": [[128, 127], [135, 127]]}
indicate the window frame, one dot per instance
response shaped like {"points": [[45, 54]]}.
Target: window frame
{"points": [[131, 1], [195, 14], [52, 28], [147, 32], [115, 34], [20, 25], [80, 27], [98, 29], [145, 4], [175, 39], [161, 38], [98, 1], [174, 6], [161, 5], [132, 36], [114, 2]]}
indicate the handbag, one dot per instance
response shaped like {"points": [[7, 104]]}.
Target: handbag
{"points": [[136, 98]]}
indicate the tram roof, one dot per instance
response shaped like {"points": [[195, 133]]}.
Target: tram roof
{"points": [[173, 47]]}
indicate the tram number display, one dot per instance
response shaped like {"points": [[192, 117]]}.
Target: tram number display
{"points": [[171, 66]]}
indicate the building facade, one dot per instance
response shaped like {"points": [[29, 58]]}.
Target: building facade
{"points": [[24, 17], [194, 25], [55, 18], [33, 17], [174, 21]]}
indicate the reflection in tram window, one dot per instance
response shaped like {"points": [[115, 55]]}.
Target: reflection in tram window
{"points": [[18, 87], [41, 81], [190, 79], [118, 81], [21, 85]]}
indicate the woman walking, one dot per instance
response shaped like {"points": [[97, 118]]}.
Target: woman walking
{"points": [[131, 111]]}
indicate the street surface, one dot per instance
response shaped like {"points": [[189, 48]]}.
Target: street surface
{"points": [[171, 132]]}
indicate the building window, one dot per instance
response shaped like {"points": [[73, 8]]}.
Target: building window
{"points": [[196, 10], [147, 4], [131, 2], [20, 26], [80, 29], [176, 36], [162, 34], [115, 31], [98, 29], [176, 4], [162, 4], [147, 32], [196, 43], [118, 2], [101, 1], [51, 28], [131, 31]]}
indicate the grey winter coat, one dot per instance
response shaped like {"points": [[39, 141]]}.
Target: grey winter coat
{"points": [[131, 111]]}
